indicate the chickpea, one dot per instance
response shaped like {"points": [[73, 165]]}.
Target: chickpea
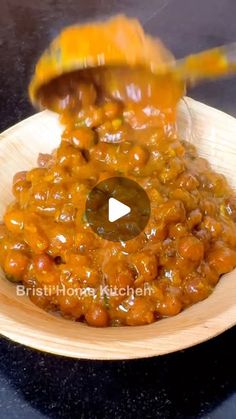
{"points": [[14, 220], [172, 211], [91, 117], [133, 245], [43, 262], [20, 187], [56, 174], [155, 197], [19, 177], [112, 110], [191, 248], [97, 316], [112, 131], [70, 305], [44, 159], [177, 230], [85, 241], [187, 181], [97, 116], [50, 279], [145, 265], [58, 193], [172, 171], [118, 274], [15, 263], [170, 306], [156, 231], [61, 239], [194, 218], [140, 313], [35, 236], [124, 280], [222, 259], [196, 289], [37, 241], [209, 274], [82, 137], [213, 226], [125, 147], [205, 237], [80, 265], [78, 193], [66, 214], [138, 156], [217, 183], [208, 207], [69, 156], [188, 199]]}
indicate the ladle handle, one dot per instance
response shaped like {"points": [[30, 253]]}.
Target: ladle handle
{"points": [[213, 63]]}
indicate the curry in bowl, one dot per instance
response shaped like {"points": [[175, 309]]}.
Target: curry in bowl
{"points": [[119, 121]]}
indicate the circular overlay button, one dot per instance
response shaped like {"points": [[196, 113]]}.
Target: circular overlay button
{"points": [[117, 209]]}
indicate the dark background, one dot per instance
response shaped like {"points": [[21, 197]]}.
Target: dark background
{"points": [[195, 383]]}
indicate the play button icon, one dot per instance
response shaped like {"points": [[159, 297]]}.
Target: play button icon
{"points": [[117, 209]]}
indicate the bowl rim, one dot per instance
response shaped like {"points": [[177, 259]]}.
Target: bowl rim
{"points": [[85, 342]]}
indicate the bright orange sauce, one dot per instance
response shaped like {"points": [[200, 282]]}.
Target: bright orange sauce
{"points": [[119, 122]]}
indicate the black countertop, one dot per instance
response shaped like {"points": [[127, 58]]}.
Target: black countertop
{"points": [[196, 383]]}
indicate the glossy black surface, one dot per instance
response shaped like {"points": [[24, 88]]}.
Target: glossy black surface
{"points": [[196, 383]]}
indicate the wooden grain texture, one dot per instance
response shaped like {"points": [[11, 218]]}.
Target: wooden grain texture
{"points": [[214, 133]]}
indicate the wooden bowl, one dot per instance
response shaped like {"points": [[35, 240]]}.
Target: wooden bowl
{"points": [[213, 132]]}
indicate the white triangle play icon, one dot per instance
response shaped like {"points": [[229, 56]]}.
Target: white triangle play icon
{"points": [[117, 210]]}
